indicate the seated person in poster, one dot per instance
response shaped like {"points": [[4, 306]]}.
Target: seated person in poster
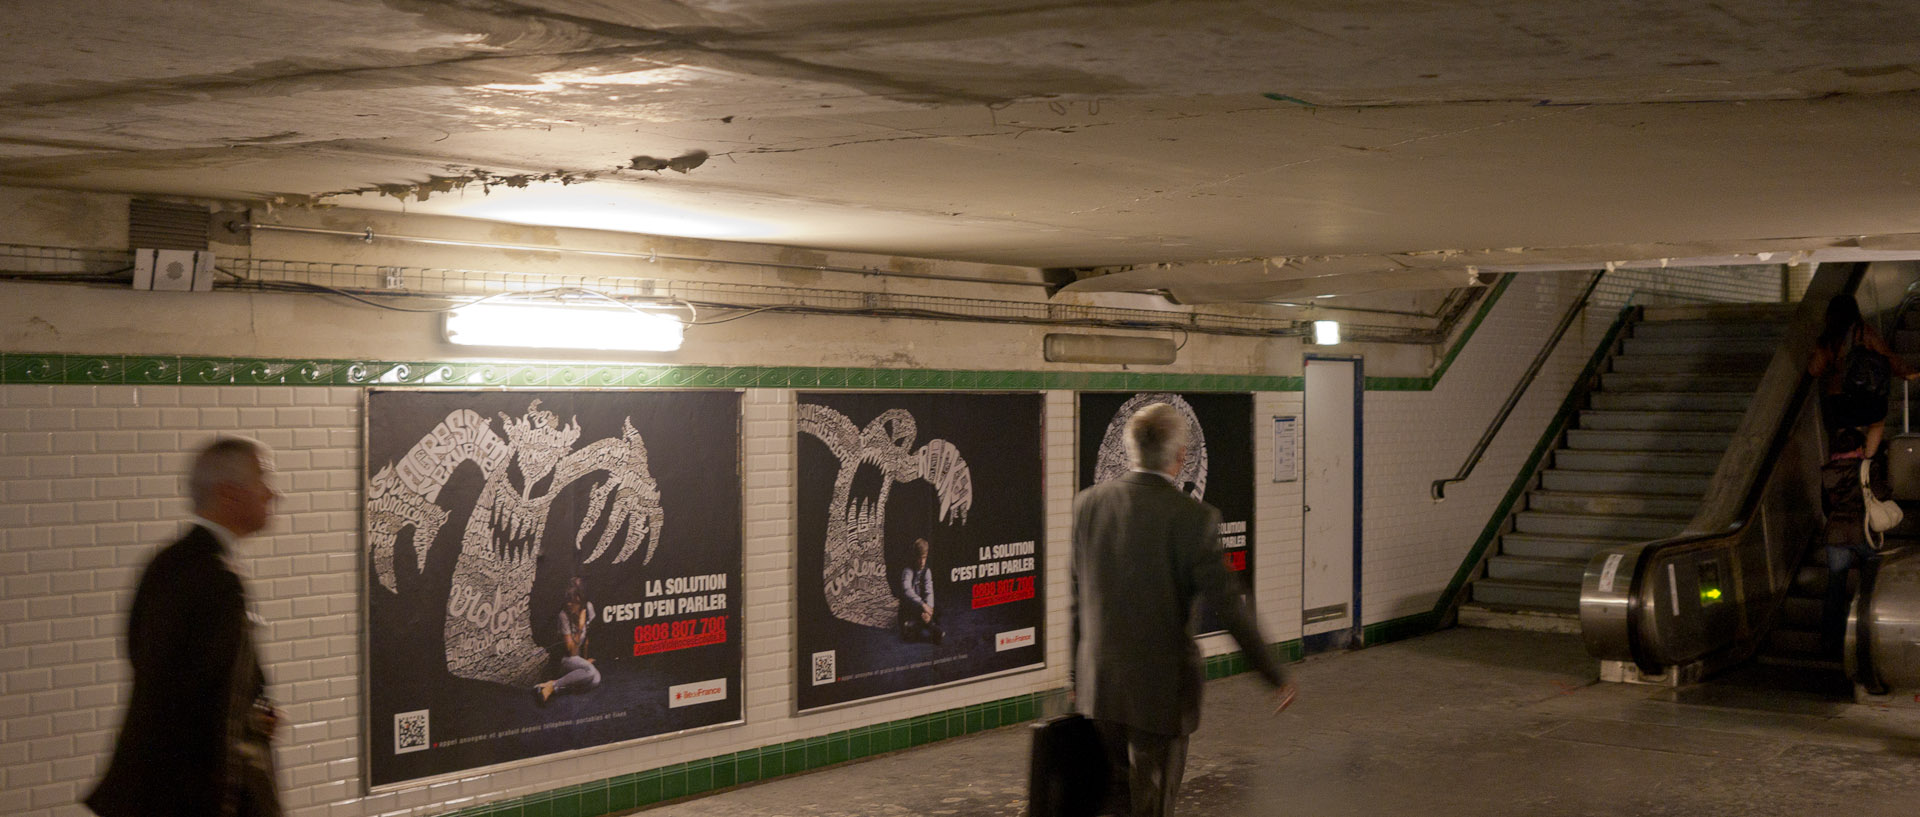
{"points": [[577, 670], [916, 598]]}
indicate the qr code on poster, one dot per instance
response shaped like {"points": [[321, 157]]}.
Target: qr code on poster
{"points": [[410, 732], [823, 670]]}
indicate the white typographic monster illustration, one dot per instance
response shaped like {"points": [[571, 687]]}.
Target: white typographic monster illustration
{"points": [[488, 633], [854, 570], [1111, 462]]}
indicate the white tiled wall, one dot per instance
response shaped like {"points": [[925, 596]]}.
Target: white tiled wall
{"points": [[90, 475], [91, 480], [1411, 438], [91, 487], [1277, 521]]}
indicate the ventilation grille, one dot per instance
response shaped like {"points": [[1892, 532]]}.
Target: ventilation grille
{"points": [[163, 225]]}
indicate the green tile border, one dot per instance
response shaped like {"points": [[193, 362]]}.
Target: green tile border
{"points": [[1486, 306], [167, 370], [706, 775]]}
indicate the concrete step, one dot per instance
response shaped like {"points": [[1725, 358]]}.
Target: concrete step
{"points": [[1536, 569], [1693, 462], [1705, 362], [1517, 593], [1660, 420], [1732, 330], [1642, 528], [1502, 617], [1670, 401], [1696, 383], [1692, 486], [1592, 440], [1667, 507], [1764, 312], [1545, 546], [1762, 347]]}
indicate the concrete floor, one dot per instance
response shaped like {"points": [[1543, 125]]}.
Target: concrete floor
{"points": [[1462, 722]]}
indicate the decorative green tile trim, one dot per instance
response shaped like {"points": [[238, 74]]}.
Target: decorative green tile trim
{"points": [[630, 791], [1524, 477], [1486, 306], [1401, 383], [164, 370], [62, 369]]}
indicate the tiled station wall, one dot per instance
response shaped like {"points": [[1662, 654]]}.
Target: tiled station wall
{"points": [[90, 477]]}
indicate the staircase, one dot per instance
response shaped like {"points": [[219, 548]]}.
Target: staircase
{"points": [[1634, 463]]}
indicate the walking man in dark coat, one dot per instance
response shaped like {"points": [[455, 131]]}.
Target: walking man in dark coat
{"points": [[196, 738], [1143, 552]]}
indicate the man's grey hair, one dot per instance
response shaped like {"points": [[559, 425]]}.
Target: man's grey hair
{"points": [[1154, 437], [225, 461]]}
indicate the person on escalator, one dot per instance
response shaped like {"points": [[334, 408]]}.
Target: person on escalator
{"points": [[1855, 368], [1844, 536]]}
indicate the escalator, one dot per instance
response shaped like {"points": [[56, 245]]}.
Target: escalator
{"points": [[1736, 591]]}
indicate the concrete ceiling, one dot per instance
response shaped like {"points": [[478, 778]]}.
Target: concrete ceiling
{"points": [[1027, 132]]}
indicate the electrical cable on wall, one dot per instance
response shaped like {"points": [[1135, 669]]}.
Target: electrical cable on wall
{"points": [[259, 275]]}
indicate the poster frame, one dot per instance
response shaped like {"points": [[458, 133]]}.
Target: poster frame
{"points": [[1253, 457], [793, 535], [365, 601]]}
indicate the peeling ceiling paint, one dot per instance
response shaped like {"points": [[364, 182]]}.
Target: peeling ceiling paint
{"points": [[1041, 133]]}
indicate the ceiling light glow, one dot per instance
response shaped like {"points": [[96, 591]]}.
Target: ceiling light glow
{"points": [[603, 206]]}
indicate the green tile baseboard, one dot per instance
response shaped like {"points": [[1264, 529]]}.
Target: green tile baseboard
{"points": [[631, 791], [706, 775]]}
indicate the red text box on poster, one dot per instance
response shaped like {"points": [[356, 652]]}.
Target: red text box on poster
{"points": [[987, 594], [679, 635]]}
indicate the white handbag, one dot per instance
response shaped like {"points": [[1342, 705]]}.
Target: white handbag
{"points": [[1881, 514]]}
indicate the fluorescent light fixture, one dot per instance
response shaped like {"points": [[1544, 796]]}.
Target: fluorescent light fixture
{"points": [[1326, 333], [1060, 347], [545, 326]]}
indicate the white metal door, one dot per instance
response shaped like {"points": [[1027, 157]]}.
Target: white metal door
{"points": [[1328, 593]]}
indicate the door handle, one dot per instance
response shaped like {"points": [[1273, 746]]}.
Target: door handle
{"points": [[1306, 509]]}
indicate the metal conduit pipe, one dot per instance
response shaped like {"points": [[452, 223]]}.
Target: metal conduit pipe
{"points": [[369, 236]]}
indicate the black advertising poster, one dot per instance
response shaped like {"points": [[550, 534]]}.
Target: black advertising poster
{"points": [[878, 475], [547, 571], [1218, 469]]}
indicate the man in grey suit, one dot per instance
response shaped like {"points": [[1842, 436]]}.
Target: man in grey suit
{"points": [[1143, 552]]}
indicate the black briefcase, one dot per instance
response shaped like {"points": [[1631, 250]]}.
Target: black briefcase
{"points": [[1068, 773]]}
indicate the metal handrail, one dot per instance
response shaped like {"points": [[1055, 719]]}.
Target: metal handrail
{"points": [[1519, 390]]}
